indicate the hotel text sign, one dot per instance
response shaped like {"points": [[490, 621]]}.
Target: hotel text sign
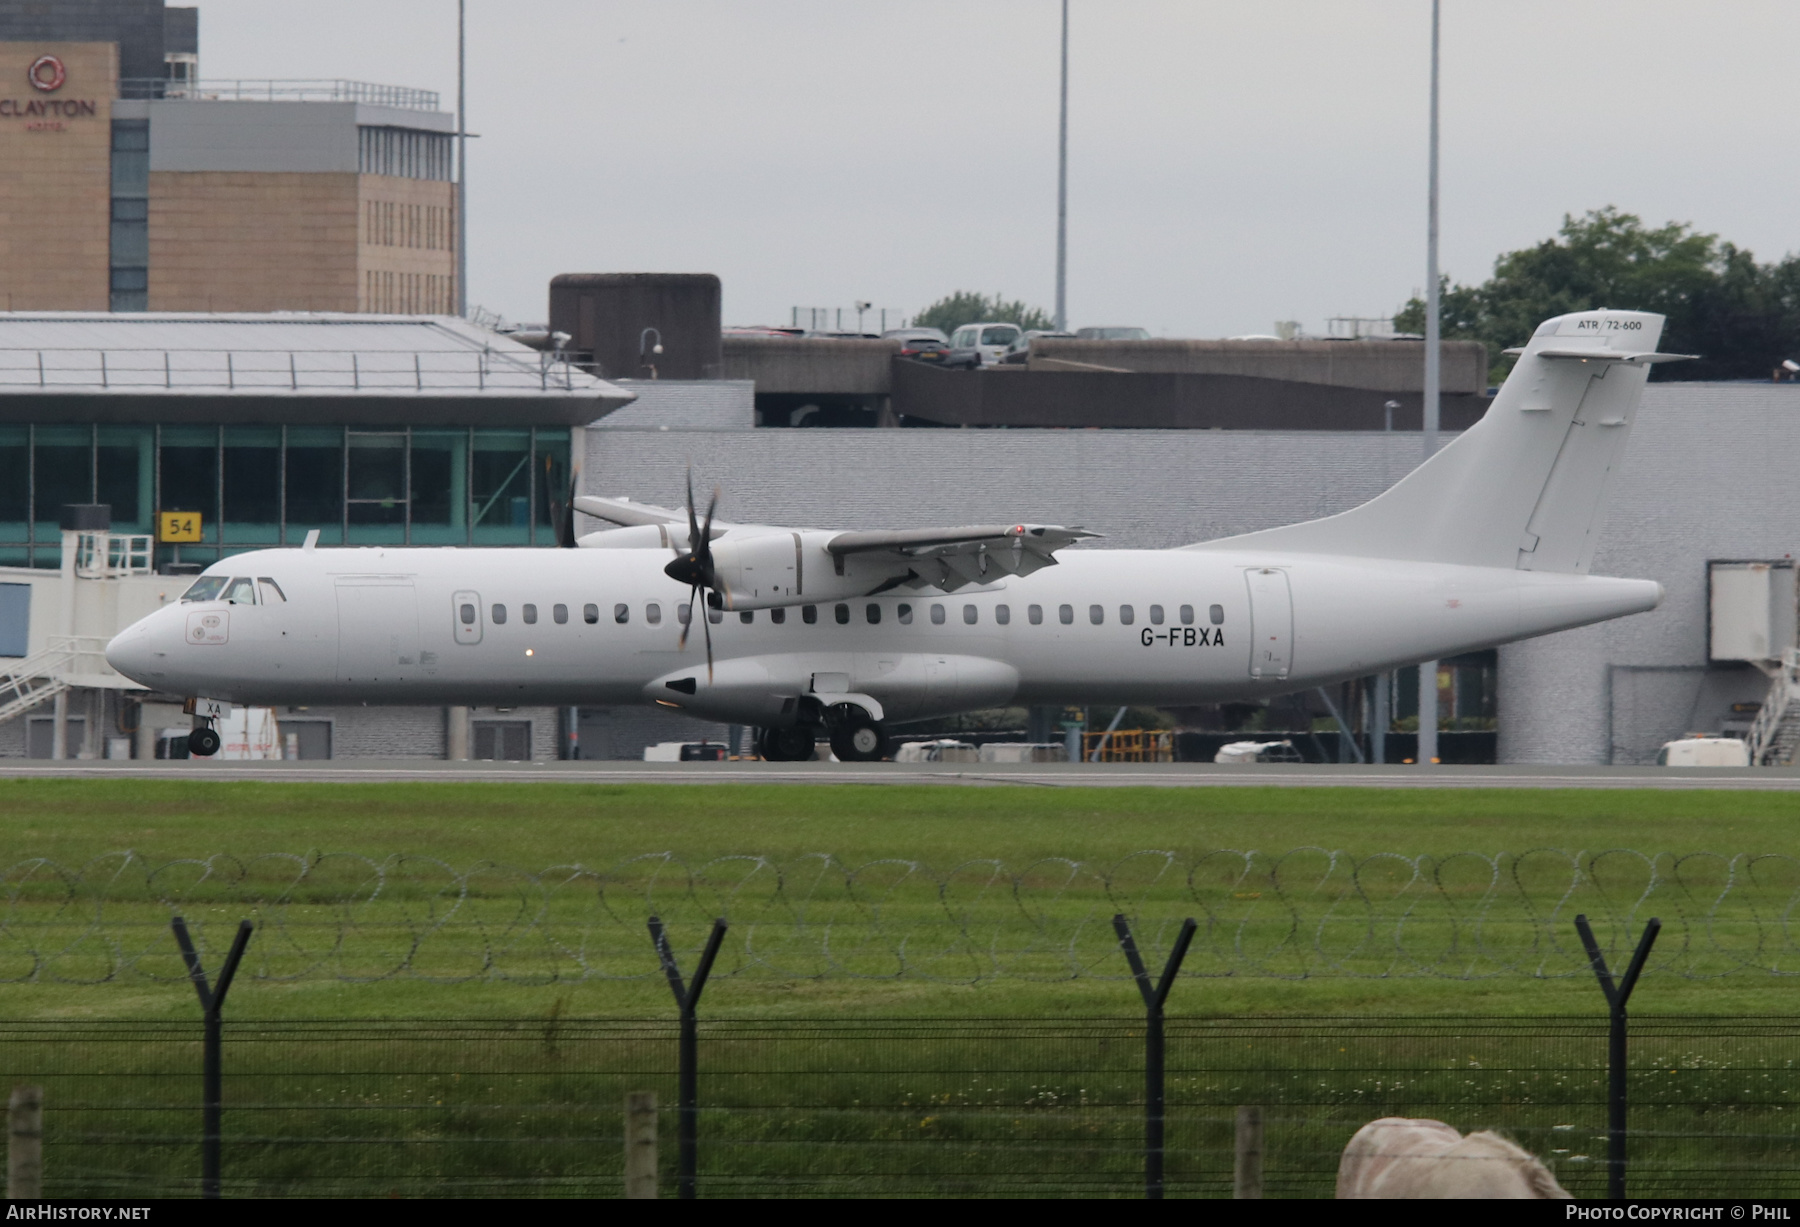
{"points": [[47, 74]]}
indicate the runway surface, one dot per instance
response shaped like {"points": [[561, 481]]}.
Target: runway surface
{"points": [[1021, 775]]}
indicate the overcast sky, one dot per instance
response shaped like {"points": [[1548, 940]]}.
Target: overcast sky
{"points": [[1231, 164]]}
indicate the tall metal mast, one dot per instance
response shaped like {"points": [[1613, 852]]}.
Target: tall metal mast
{"points": [[1062, 185], [462, 173], [1428, 688]]}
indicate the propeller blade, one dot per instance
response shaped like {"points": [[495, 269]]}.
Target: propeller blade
{"points": [[565, 527], [692, 593], [706, 629], [693, 528]]}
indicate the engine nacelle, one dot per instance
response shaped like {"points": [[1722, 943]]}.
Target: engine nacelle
{"points": [[786, 568]]}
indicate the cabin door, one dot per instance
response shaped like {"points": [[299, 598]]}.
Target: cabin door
{"points": [[1271, 623], [378, 628]]}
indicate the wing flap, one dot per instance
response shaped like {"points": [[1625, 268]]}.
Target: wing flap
{"points": [[952, 558]]}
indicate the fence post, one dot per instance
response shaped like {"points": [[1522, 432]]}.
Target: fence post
{"points": [[25, 1144], [1155, 995], [212, 1006], [687, 1000], [1616, 997], [640, 1145], [1246, 1176]]}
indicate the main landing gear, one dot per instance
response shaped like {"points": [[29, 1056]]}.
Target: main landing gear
{"points": [[793, 744], [855, 738]]}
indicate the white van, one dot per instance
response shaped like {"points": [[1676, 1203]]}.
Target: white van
{"points": [[975, 345], [1704, 752]]}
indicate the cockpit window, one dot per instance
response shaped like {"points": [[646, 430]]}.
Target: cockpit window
{"points": [[271, 591], [241, 592], [206, 588]]}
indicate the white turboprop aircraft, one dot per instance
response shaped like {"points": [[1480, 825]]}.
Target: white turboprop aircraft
{"points": [[1487, 542]]}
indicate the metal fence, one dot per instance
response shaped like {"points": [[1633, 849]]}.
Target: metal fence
{"points": [[1300, 914], [274, 371], [888, 1107], [279, 90]]}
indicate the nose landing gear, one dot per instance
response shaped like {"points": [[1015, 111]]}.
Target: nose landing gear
{"points": [[203, 741]]}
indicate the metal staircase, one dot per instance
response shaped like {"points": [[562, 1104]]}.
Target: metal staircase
{"points": [[1775, 735], [65, 662]]}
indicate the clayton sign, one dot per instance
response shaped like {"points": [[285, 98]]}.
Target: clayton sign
{"points": [[47, 74]]}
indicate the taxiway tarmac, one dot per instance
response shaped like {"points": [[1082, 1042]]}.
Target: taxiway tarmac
{"points": [[1025, 775]]}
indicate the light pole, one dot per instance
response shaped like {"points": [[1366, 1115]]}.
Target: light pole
{"points": [[1428, 697], [462, 175], [1062, 185]]}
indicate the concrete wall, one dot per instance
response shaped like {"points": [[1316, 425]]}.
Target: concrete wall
{"points": [[1142, 488], [684, 404], [1379, 366], [810, 365], [1020, 397]]}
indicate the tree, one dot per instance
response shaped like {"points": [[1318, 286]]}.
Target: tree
{"points": [[964, 307], [1742, 317]]}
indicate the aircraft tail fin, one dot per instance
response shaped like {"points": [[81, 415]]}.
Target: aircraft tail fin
{"points": [[1523, 487]]}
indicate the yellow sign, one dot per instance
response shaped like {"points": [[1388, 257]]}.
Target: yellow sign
{"points": [[176, 527]]}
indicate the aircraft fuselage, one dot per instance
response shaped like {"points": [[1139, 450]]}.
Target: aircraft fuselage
{"points": [[597, 627]]}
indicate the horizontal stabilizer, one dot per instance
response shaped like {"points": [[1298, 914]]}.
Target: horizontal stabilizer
{"points": [[1606, 355]]}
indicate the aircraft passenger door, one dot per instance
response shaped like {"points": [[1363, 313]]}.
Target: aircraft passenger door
{"points": [[1271, 623], [465, 615], [378, 628]]}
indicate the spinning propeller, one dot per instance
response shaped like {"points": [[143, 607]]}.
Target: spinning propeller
{"points": [[695, 569]]}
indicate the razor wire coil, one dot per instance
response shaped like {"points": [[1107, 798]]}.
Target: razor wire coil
{"points": [[1305, 913]]}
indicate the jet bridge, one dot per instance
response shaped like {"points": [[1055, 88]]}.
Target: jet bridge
{"points": [[55, 626]]}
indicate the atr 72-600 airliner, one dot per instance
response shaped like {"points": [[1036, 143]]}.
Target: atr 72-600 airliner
{"points": [[808, 630]]}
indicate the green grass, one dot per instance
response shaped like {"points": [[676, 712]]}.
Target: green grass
{"points": [[532, 826]]}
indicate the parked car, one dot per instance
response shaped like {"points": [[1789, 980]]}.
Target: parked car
{"points": [[1113, 334], [975, 345], [1021, 350], [924, 344]]}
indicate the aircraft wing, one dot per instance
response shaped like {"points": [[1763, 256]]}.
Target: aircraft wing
{"points": [[950, 558], [631, 514]]}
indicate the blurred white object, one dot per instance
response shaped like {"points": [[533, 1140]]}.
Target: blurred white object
{"points": [[1704, 752]]}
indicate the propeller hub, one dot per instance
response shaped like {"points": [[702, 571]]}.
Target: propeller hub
{"points": [[692, 570]]}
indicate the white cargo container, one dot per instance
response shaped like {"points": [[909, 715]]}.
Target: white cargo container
{"points": [[1704, 752], [1752, 610]]}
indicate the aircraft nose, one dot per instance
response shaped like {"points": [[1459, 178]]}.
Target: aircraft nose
{"points": [[132, 651]]}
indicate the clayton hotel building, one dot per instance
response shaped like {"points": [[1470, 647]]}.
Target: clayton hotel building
{"points": [[131, 183]]}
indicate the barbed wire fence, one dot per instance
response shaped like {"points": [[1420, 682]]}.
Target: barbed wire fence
{"points": [[1309, 912]]}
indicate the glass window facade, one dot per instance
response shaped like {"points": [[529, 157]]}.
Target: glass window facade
{"points": [[257, 486]]}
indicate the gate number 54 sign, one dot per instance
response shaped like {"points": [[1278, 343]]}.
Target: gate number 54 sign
{"points": [[175, 527]]}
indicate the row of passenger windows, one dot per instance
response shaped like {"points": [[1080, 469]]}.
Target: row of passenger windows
{"points": [[971, 614]]}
